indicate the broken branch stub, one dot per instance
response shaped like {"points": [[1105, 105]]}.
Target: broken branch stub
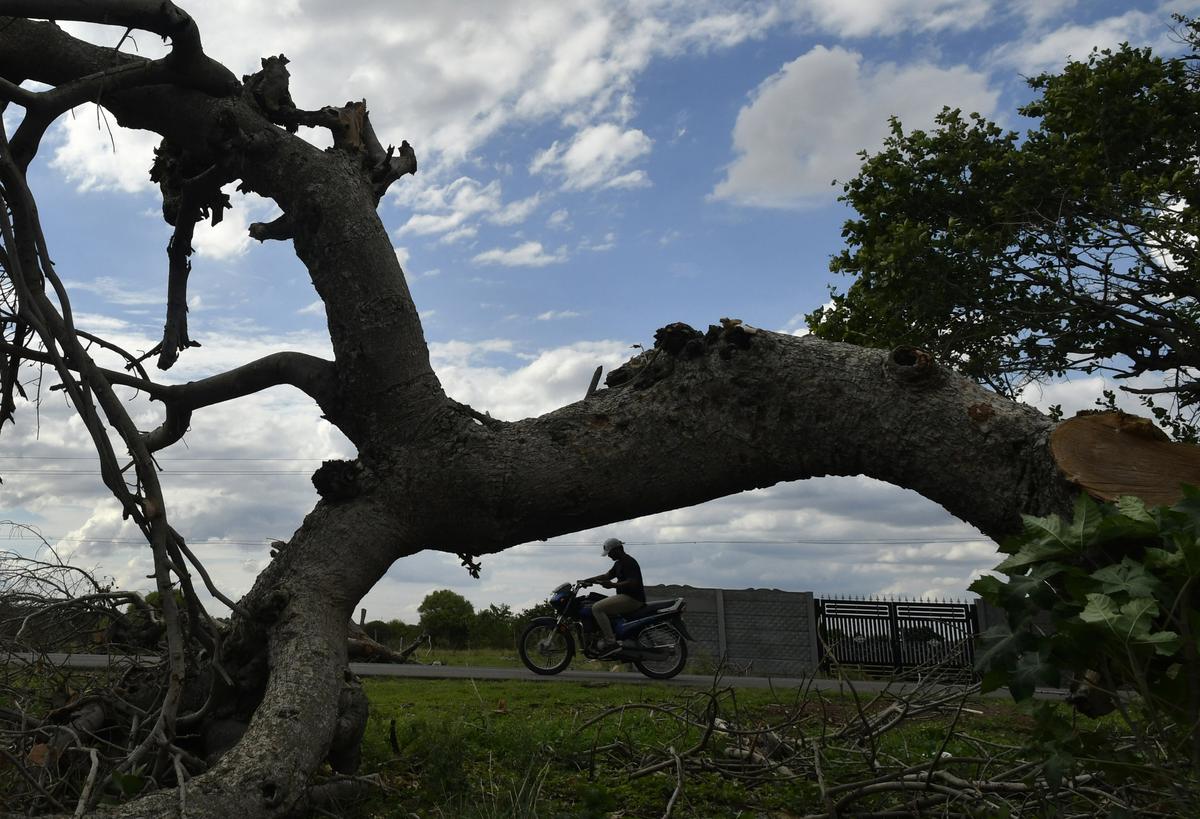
{"points": [[1110, 454]]}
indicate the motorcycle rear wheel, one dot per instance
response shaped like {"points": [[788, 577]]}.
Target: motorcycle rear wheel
{"points": [[543, 648], [666, 638]]}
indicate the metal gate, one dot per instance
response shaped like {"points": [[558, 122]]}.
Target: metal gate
{"points": [[887, 636]]}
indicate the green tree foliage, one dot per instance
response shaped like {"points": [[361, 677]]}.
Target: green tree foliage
{"points": [[494, 626], [1109, 597], [447, 617], [1070, 248], [392, 633]]}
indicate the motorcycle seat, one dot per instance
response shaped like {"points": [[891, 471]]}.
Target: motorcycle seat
{"points": [[651, 607]]}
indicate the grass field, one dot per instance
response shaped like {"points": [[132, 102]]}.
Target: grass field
{"points": [[490, 749]]}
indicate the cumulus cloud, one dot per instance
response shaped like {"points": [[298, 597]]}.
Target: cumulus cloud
{"points": [[453, 210], [805, 124], [471, 69], [1051, 50], [596, 157], [526, 254], [230, 238], [466, 70], [517, 211], [547, 380], [96, 154]]}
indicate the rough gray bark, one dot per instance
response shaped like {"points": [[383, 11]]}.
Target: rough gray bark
{"points": [[697, 418]]}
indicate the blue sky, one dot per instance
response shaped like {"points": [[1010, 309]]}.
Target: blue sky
{"points": [[590, 171]]}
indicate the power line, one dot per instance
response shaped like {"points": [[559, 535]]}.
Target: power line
{"points": [[161, 460], [4, 471], [797, 542], [135, 541]]}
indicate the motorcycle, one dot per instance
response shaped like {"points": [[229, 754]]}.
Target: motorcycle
{"points": [[652, 638]]}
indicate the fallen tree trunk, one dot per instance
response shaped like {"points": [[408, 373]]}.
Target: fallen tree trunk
{"points": [[700, 416]]}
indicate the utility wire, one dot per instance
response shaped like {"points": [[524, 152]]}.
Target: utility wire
{"points": [[166, 472], [160, 460], [798, 542]]}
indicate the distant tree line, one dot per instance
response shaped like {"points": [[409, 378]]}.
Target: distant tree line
{"points": [[451, 621]]}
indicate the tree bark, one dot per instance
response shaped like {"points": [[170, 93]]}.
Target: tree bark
{"points": [[697, 418]]}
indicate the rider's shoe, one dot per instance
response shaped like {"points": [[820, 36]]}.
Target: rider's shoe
{"points": [[606, 647]]}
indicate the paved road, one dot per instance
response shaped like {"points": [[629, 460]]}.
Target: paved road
{"points": [[456, 672]]}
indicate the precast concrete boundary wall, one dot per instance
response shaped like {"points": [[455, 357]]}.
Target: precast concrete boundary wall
{"points": [[761, 632]]}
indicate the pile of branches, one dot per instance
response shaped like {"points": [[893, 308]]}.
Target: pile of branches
{"points": [[70, 738], [852, 746]]}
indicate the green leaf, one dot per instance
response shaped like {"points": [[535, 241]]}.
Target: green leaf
{"points": [[1103, 610], [1129, 578], [1165, 643], [1033, 670], [1190, 505], [990, 588], [1162, 558], [999, 647], [1085, 522], [1134, 508]]}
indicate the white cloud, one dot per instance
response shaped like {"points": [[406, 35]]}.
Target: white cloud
{"points": [[450, 209], [449, 76], [607, 243], [548, 380], [116, 291], [95, 153], [1050, 51], [518, 211], [458, 234], [458, 202], [555, 315], [317, 308], [805, 124], [469, 69], [231, 238], [597, 157], [862, 18], [528, 254], [1039, 11], [558, 218]]}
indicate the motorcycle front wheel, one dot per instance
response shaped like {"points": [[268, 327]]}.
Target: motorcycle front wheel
{"points": [[543, 648], [666, 639]]}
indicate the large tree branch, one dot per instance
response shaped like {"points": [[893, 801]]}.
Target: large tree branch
{"points": [[161, 17], [316, 377], [330, 199], [709, 419]]}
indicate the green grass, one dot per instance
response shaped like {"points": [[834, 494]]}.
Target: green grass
{"points": [[490, 749]]}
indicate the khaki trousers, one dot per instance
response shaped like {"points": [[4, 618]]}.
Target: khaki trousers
{"points": [[617, 604]]}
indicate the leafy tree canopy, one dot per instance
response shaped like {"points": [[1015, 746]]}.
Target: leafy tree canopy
{"points": [[447, 617], [1019, 258]]}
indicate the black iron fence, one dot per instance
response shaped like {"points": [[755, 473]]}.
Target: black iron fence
{"points": [[888, 636]]}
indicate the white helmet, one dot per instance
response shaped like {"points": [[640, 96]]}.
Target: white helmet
{"points": [[610, 544]]}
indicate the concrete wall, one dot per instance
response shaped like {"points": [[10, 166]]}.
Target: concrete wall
{"points": [[762, 632]]}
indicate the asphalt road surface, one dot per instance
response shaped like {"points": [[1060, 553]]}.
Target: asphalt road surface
{"points": [[455, 672]]}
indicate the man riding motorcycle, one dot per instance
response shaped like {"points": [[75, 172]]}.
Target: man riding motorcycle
{"points": [[625, 578]]}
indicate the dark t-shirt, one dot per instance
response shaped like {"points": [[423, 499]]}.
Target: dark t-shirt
{"points": [[626, 568]]}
